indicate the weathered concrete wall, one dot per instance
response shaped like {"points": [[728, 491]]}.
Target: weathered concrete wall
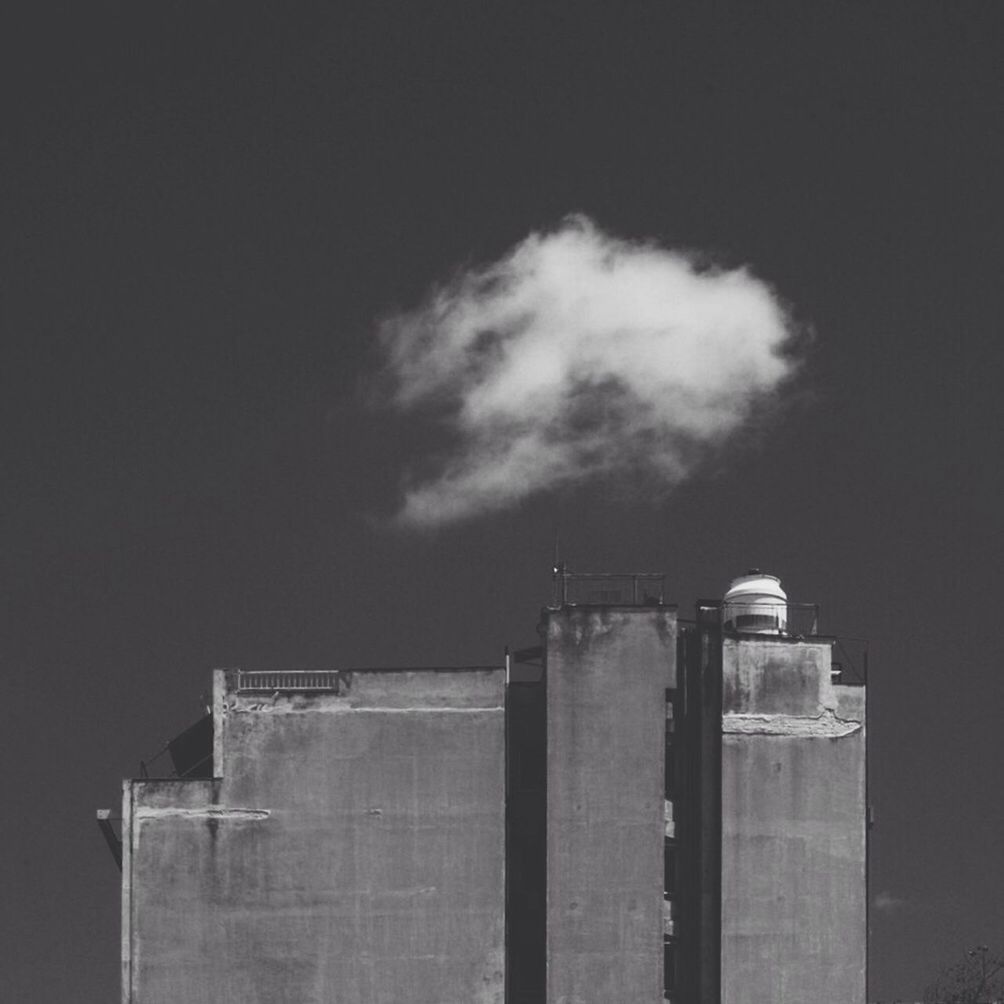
{"points": [[352, 851], [793, 827], [607, 672]]}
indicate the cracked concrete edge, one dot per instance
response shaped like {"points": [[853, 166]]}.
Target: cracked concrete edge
{"points": [[331, 708], [826, 726], [207, 812]]}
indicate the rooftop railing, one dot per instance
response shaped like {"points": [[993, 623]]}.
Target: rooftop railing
{"points": [[786, 618], [336, 681], [789, 619], [608, 588], [299, 680]]}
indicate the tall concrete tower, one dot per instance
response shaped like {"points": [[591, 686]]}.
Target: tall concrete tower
{"points": [[706, 803], [608, 669]]}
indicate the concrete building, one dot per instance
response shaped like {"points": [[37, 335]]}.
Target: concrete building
{"points": [[640, 808], [349, 846]]}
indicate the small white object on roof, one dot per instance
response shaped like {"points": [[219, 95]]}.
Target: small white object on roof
{"points": [[755, 604]]}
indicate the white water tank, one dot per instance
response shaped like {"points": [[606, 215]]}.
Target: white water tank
{"points": [[756, 604]]}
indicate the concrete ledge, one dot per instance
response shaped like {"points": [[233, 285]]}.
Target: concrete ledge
{"points": [[824, 726], [207, 812]]}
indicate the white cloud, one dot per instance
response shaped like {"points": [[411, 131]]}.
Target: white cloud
{"points": [[575, 356]]}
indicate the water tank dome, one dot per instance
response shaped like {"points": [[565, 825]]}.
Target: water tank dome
{"points": [[755, 604]]}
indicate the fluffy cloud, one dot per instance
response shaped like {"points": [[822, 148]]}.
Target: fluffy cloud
{"points": [[575, 356]]}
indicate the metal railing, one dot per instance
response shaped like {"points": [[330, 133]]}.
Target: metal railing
{"points": [[798, 620], [787, 619], [271, 680], [607, 588]]}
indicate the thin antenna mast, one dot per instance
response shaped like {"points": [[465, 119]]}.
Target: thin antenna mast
{"points": [[558, 570]]}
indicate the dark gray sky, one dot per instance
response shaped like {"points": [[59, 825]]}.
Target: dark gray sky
{"points": [[205, 207]]}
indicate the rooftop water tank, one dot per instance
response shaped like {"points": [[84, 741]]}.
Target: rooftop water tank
{"points": [[755, 604]]}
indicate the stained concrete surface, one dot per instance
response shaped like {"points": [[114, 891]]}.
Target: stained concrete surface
{"points": [[793, 829], [352, 850], [607, 673]]}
